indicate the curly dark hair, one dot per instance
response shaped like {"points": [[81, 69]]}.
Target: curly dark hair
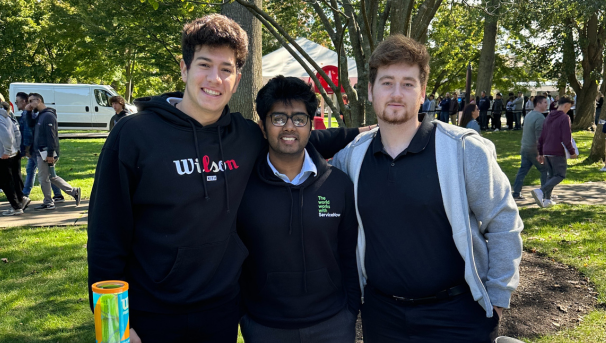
{"points": [[214, 30]]}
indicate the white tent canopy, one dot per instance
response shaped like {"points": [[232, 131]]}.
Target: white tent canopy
{"points": [[280, 62]]}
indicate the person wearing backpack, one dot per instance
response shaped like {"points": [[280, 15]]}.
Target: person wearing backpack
{"points": [[10, 165]]}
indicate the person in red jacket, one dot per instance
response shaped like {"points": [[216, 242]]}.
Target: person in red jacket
{"points": [[555, 137]]}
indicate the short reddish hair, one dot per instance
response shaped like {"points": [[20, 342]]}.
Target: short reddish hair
{"points": [[399, 49]]}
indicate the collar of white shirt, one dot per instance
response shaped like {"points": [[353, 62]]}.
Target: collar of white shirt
{"points": [[308, 168]]}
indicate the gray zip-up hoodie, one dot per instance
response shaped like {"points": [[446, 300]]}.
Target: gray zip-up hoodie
{"points": [[485, 222], [10, 137]]}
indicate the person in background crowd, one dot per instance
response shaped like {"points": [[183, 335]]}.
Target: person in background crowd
{"points": [[10, 164], [445, 108], [497, 111], [570, 112], [119, 105], [533, 126], [438, 248], [555, 137], [484, 106], [530, 104], [46, 143], [470, 116], [27, 137], [509, 112], [554, 103], [518, 104], [604, 131], [490, 116], [454, 108], [426, 105], [432, 106], [599, 102]]}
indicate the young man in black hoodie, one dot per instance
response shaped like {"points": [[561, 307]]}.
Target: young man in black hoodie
{"points": [[297, 219], [46, 150], [168, 185]]}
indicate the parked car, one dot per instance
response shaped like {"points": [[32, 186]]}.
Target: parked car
{"points": [[79, 106]]}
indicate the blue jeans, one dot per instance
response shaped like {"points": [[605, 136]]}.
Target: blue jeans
{"points": [[529, 159], [483, 120], [597, 115], [444, 117], [30, 169]]}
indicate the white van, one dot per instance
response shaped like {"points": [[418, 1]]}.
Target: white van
{"points": [[79, 106]]}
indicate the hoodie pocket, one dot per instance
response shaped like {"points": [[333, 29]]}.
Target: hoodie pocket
{"points": [[285, 292], [195, 267]]}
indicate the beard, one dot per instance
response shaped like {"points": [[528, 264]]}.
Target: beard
{"points": [[397, 118]]}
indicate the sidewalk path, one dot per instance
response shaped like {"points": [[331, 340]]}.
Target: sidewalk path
{"points": [[65, 214], [589, 193]]}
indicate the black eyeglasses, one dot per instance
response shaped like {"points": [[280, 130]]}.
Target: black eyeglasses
{"points": [[280, 119]]}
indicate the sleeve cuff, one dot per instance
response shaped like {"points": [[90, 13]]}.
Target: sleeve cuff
{"points": [[499, 297]]}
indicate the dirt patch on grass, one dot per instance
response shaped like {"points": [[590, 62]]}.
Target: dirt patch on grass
{"points": [[551, 296]]}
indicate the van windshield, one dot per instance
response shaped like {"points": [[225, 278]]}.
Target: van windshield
{"points": [[102, 96]]}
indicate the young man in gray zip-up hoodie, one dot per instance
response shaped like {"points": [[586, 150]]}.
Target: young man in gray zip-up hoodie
{"points": [[439, 233]]}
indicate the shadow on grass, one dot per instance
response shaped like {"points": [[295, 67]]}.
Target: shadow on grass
{"points": [[81, 333], [562, 215]]}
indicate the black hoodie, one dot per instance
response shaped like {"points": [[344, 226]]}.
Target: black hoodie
{"points": [[45, 128], [164, 203], [301, 269]]}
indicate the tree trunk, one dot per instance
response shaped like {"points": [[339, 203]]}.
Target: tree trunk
{"points": [[599, 142], [603, 88], [591, 41], [401, 11], [421, 20], [252, 78], [584, 114], [487, 56]]}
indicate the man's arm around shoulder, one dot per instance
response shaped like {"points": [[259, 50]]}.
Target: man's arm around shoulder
{"points": [[490, 199]]}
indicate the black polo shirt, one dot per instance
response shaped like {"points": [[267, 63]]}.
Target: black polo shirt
{"points": [[410, 251]]}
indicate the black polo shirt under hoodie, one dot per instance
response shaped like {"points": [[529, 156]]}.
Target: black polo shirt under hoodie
{"points": [[410, 251]]}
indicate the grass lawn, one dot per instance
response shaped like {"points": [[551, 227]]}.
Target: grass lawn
{"points": [[43, 287]]}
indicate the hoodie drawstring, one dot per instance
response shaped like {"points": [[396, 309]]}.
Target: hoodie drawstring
{"points": [[224, 171], [193, 127], [303, 245], [291, 206]]}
